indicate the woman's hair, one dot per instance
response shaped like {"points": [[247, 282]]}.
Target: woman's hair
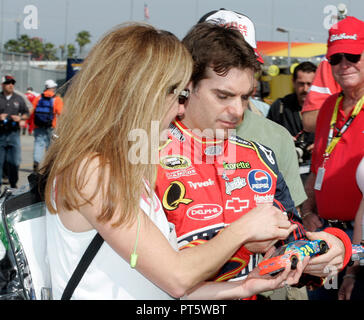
{"points": [[122, 85], [220, 48]]}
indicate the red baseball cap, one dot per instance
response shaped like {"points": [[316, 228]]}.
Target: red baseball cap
{"points": [[346, 36]]}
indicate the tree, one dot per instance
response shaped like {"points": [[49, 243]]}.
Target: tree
{"points": [[71, 50], [83, 38], [63, 51], [12, 46], [33, 46], [46, 51], [49, 51]]}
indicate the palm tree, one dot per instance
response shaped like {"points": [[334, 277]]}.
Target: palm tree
{"points": [[70, 50], [83, 38], [49, 51], [63, 51]]}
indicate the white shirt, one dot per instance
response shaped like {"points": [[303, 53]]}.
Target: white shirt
{"points": [[109, 276]]}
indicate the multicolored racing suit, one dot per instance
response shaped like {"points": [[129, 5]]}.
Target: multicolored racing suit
{"points": [[204, 185]]}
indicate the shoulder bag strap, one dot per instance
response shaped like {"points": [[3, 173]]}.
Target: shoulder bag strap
{"points": [[82, 266]]}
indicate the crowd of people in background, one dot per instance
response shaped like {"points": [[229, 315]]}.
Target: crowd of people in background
{"points": [[306, 147], [21, 113]]}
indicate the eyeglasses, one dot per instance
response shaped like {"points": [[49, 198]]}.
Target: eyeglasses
{"points": [[336, 58], [183, 95]]}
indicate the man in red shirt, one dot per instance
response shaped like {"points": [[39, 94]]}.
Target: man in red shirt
{"points": [[323, 86], [333, 195], [31, 95]]}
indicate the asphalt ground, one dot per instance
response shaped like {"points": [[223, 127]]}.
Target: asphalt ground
{"points": [[26, 166]]}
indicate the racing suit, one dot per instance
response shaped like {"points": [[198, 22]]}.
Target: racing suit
{"points": [[205, 185]]}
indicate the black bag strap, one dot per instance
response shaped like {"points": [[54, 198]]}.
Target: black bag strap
{"points": [[37, 184], [82, 266]]}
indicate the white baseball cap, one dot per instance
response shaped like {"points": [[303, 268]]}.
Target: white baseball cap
{"points": [[232, 19], [50, 84], [8, 79]]}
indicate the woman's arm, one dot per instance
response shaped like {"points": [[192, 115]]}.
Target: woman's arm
{"points": [[176, 272], [248, 287]]}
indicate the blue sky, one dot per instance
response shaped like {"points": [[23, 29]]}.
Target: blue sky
{"points": [[60, 20]]}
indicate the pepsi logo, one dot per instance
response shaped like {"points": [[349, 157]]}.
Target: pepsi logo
{"points": [[259, 181]]}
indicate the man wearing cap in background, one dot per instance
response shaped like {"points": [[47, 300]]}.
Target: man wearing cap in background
{"points": [[13, 113], [323, 86], [47, 107], [333, 195]]}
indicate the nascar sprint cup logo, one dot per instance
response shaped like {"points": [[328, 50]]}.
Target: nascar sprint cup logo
{"points": [[259, 181], [174, 162]]}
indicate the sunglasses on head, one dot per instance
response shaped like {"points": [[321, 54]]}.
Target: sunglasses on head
{"points": [[336, 58], [183, 95]]}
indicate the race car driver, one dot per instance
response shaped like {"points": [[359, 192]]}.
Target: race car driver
{"points": [[208, 178]]}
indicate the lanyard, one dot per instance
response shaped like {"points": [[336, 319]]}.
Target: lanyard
{"points": [[333, 140]]}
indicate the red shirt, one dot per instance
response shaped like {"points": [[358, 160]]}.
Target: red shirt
{"points": [[323, 86], [339, 196], [30, 96]]}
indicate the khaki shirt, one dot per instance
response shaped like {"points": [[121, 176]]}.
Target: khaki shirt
{"points": [[259, 129]]}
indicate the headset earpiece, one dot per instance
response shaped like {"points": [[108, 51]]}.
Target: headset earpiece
{"points": [[134, 255]]}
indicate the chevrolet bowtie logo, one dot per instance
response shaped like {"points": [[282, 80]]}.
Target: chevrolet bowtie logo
{"points": [[237, 204]]}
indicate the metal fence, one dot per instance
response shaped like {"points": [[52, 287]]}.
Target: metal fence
{"points": [[26, 75], [37, 77]]}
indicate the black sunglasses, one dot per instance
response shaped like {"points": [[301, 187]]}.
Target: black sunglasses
{"points": [[183, 95], [336, 58]]}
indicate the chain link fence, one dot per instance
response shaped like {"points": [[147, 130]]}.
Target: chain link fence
{"points": [[26, 75]]}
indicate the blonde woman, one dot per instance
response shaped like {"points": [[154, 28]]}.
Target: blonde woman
{"points": [[133, 76]]}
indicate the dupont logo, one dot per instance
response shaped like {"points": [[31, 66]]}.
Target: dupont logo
{"points": [[204, 211]]}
